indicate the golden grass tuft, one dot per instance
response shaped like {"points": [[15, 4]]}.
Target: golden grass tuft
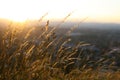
{"points": [[25, 56]]}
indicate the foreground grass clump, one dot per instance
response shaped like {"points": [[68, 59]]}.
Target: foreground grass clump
{"points": [[29, 53]]}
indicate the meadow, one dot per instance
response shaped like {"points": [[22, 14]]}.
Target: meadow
{"points": [[52, 53]]}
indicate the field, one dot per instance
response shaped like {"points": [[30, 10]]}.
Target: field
{"points": [[52, 53]]}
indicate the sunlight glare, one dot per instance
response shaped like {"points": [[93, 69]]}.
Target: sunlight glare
{"points": [[21, 10]]}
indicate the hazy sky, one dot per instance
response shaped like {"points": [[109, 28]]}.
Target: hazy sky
{"points": [[95, 10]]}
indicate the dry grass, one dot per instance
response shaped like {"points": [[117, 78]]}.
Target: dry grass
{"points": [[24, 58]]}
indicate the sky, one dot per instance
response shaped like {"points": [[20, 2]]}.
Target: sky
{"points": [[95, 10]]}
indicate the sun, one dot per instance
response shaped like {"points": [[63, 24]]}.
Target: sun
{"points": [[21, 10]]}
